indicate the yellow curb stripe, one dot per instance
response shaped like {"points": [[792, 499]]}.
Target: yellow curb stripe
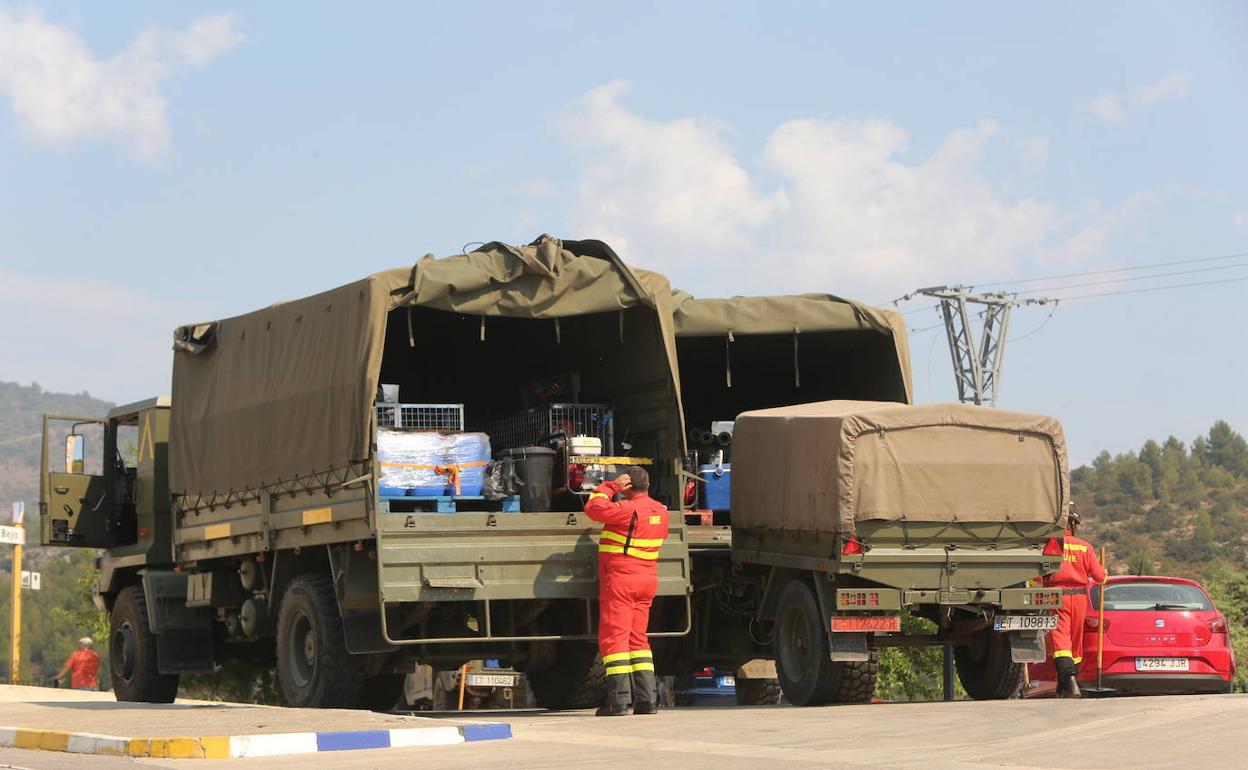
{"points": [[139, 747], [216, 747], [27, 739], [54, 740]]}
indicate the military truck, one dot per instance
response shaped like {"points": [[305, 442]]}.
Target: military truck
{"points": [[249, 520], [846, 513]]}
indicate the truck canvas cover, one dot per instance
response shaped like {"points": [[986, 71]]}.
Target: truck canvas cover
{"points": [[790, 315], [286, 392], [822, 467]]}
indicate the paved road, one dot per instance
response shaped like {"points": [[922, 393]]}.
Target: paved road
{"points": [[1207, 732]]}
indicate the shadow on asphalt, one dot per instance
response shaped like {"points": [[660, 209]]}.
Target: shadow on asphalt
{"points": [[106, 705]]}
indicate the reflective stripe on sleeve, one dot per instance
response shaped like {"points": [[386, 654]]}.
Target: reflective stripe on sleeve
{"points": [[600, 494], [1074, 547]]}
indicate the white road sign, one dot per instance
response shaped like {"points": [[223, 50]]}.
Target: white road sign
{"points": [[19, 512], [32, 580], [12, 535]]}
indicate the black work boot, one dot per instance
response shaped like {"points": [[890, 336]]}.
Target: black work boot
{"points": [[1067, 678], [612, 710], [645, 707]]}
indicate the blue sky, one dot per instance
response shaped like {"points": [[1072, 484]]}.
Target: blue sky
{"points": [[162, 163]]}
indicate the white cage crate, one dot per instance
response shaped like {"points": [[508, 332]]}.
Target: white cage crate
{"points": [[448, 418]]}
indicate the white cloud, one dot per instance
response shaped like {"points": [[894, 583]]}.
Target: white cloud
{"points": [[1112, 108], [62, 94], [834, 205], [1033, 153]]}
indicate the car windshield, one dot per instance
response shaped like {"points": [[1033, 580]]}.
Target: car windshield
{"points": [[1152, 596]]}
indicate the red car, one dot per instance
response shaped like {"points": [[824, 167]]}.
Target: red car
{"points": [[1162, 635]]}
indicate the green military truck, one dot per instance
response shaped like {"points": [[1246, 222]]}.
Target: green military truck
{"points": [[245, 517]]}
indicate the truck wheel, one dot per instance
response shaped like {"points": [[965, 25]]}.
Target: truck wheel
{"points": [[758, 692], [985, 668], [802, 656], [382, 692], [313, 664], [854, 682], [577, 680], [132, 652]]}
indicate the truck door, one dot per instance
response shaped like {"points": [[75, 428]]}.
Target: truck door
{"points": [[74, 505]]}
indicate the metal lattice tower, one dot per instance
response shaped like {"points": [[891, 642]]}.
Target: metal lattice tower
{"points": [[976, 363]]}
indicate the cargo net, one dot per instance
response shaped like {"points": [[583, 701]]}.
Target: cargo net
{"points": [[536, 426], [447, 418]]}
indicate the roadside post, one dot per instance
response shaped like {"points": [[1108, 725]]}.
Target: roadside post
{"points": [[16, 536], [948, 671]]}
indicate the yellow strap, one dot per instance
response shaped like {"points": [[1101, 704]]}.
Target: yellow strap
{"points": [[613, 657], [603, 495], [636, 542], [433, 467], [650, 555], [1074, 547]]}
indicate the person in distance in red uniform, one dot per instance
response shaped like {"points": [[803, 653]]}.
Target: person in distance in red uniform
{"points": [[633, 531], [1079, 567]]}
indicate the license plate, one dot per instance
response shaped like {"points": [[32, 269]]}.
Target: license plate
{"points": [[1024, 622], [727, 681], [491, 680], [1161, 664], [866, 623]]}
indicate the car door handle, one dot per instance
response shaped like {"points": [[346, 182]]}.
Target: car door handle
{"points": [[60, 490]]}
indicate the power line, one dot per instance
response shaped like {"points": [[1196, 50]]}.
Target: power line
{"points": [[1151, 288], [1039, 328], [1114, 270], [1136, 278]]}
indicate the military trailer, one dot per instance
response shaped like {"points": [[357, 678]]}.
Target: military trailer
{"points": [[251, 522], [844, 514]]}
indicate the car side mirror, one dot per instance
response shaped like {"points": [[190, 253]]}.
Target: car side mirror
{"points": [[74, 454]]}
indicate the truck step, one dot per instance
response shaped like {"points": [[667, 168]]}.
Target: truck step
{"points": [[450, 504]]}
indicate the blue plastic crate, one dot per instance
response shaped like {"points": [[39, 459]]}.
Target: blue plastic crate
{"points": [[717, 491]]}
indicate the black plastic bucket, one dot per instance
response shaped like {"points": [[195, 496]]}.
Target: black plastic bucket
{"points": [[535, 465]]}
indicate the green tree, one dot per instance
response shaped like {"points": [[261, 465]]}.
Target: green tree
{"points": [[1228, 585]]}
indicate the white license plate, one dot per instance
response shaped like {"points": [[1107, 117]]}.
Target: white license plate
{"points": [[727, 681], [1024, 622], [1161, 664], [491, 680]]}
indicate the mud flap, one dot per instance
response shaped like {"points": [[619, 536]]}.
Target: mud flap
{"points": [[849, 648], [183, 653], [1027, 646]]}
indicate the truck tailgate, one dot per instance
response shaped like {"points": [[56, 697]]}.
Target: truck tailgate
{"points": [[446, 557]]}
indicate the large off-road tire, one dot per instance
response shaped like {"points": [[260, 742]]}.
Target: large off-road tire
{"points": [[132, 659], [854, 682], [313, 664], [382, 692], [577, 679], [803, 660], [985, 668], [758, 692]]}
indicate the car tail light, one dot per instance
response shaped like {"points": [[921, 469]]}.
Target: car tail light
{"points": [[1053, 547], [1091, 622], [853, 547], [859, 599], [1217, 625], [576, 476]]}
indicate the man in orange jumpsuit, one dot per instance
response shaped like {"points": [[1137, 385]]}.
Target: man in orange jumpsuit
{"points": [[632, 533], [1079, 566], [83, 663]]}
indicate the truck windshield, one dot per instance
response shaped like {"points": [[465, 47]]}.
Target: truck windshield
{"points": [[1152, 596]]}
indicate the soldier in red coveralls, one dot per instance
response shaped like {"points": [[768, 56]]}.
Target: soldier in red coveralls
{"points": [[1079, 566], [633, 530]]}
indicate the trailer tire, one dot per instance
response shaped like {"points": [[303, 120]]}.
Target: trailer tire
{"points": [[758, 692], [854, 682], [382, 692], [133, 661], [986, 669], [313, 664], [577, 680], [803, 660]]}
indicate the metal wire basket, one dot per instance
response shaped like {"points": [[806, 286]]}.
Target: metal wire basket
{"points": [[448, 418], [535, 426]]}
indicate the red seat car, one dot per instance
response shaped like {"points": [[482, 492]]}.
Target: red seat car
{"points": [[1162, 636]]}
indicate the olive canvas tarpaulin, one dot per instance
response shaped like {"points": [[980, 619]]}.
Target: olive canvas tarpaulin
{"points": [[802, 314], [822, 467], [286, 392]]}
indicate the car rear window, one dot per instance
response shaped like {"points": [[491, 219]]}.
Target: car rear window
{"points": [[1152, 596]]}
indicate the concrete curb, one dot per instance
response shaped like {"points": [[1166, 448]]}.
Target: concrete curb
{"points": [[231, 746]]}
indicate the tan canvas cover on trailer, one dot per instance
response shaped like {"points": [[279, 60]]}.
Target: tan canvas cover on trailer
{"points": [[824, 466], [802, 313], [286, 392]]}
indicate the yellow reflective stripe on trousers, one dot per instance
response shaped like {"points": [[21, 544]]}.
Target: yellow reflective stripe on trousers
{"points": [[641, 654], [632, 551], [628, 668], [616, 537], [613, 657], [1063, 654]]}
